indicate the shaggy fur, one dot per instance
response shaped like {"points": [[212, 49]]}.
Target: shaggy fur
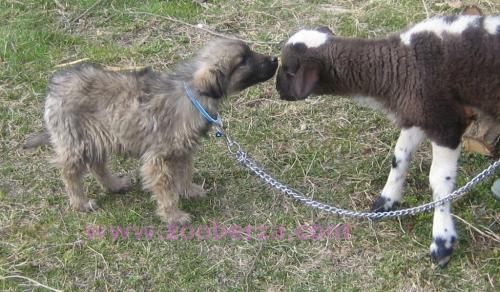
{"points": [[426, 78], [91, 112]]}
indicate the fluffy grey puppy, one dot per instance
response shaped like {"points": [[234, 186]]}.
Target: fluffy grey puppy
{"points": [[91, 112]]}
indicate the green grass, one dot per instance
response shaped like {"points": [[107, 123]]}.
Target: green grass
{"points": [[327, 147]]}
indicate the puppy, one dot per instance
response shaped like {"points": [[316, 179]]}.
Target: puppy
{"points": [[91, 112]]}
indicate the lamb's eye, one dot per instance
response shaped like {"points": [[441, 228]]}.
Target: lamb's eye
{"points": [[291, 67], [288, 71]]}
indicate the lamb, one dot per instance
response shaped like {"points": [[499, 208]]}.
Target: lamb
{"points": [[427, 79]]}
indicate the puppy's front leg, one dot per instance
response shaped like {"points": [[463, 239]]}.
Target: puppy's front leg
{"points": [[162, 177], [189, 189], [408, 142], [183, 170]]}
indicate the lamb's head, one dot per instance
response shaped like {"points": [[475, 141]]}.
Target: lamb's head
{"points": [[301, 65]]}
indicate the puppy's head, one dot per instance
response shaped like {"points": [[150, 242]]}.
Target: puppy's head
{"points": [[229, 66], [301, 67]]}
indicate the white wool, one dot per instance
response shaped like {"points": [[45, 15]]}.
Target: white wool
{"points": [[438, 26], [492, 24], [310, 38], [408, 142]]}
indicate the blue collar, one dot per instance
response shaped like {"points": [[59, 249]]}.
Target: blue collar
{"points": [[217, 121]]}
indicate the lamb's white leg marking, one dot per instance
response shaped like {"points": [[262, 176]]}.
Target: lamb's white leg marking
{"points": [[442, 180], [310, 38], [408, 142]]}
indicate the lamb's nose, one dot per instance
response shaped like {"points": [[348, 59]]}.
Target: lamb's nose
{"points": [[274, 59]]}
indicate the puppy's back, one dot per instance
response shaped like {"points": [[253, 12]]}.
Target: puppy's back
{"points": [[87, 86]]}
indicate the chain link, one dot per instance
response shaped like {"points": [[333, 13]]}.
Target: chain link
{"points": [[241, 156]]}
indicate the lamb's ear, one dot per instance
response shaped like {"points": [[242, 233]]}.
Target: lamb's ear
{"points": [[210, 81], [305, 80]]}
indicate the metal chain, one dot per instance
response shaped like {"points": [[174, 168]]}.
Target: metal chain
{"points": [[241, 156]]}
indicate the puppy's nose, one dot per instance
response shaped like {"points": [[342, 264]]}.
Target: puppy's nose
{"points": [[274, 59]]}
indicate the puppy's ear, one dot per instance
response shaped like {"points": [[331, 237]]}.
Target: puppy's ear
{"points": [[210, 81], [305, 80], [325, 29]]}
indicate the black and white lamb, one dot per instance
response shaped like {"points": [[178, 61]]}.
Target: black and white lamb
{"points": [[427, 78]]}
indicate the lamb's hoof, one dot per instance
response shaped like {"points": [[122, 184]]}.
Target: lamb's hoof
{"points": [[174, 216], [441, 250], [85, 206], [195, 192], [383, 204]]}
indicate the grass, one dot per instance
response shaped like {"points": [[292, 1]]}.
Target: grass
{"points": [[328, 147]]}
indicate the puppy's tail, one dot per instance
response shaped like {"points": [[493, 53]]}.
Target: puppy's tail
{"points": [[39, 139]]}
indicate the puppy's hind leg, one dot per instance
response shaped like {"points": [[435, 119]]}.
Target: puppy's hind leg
{"points": [[408, 142], [72, 172], [109, 181], [195, 191], [160, 177]]}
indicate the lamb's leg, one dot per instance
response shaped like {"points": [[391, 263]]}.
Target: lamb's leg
{"points": [[442, 180], [408, 142]]}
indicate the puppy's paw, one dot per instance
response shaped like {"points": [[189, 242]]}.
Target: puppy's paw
{"points": [[383, 204], [441, 249], [195, 192], [121, 184], [85, 206], [174, 216]]}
